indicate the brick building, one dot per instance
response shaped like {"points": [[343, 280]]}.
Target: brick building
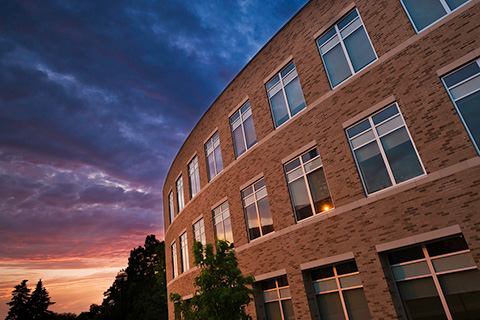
{"points": [[343, 163]]}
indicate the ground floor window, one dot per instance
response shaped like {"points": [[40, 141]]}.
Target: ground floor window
{"points": [[277, 299]]}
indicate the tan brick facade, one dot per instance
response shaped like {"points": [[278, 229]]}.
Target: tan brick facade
{"points": [[408, 71]]}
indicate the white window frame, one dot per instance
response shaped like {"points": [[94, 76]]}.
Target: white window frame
{"points": [[194, 177], [171, 208], [215, 142], [199, 231], [184, 251], [257, 195], [280, 85], [180, 195], [279, 296], [454, 100], [222, 220], [344, 48], [380, 147], [240, 122], [174, 259], [444, 5]]}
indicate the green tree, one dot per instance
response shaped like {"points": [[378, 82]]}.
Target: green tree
{"points": [[39, 303], [222, 291], [19, 305]]}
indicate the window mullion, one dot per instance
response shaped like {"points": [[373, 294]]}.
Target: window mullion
{"points": [[279, 300], [437, 284], [382, 152], [340, 293], [305, 179], [445, 6], [258, 213], [345, 52], [243, 133], [285, 97]]}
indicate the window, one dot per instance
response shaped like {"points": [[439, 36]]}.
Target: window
{"points": [[174, 260], [257, 210], [180, 198], [170, 207], [307, 185], [193, 177], [437, 280], [214, 156], [285, 95], [464, 88], [223, 226], [383, 150], [339, 292], [424, 13], [199, 231], [277, 299], [346, 49], [243, 130], [184, 251]]}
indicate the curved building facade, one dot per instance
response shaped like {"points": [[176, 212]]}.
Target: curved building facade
{"points": [[343, 164]]}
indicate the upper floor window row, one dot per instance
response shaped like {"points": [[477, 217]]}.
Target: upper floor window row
{"points": [[424, 13], [346, 49], [257, 210], [243, 130], [180, 197]]}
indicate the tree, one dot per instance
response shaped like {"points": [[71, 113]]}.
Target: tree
{"points": [[39, 303], [222, 291], [19, 305]]}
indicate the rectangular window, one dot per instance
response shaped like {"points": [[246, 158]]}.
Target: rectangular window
{"points": [[307, 185], [424, 13], [184, 251], [339, 292], [221, 220], [346, 49], [383, 150], [285, 95], [174, 260], [243, 131], [170, 207], [440, 277], [463, 86], [277, 299], [257, 210], [199, 232], [214, 156], [180, 198], [193, 177]]}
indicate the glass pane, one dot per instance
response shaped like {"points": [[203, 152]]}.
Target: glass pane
{"points": [[469, 108], [298, 192], [446, 246], [287, 69], [261, 193], [211, 166], [272, 310], [270, 295], [362, 138], [238, 141], [325, 285], [268, 284], [329, 45], [319, 190], [252, 222], [401, 155], [273, 82], [346, 267], [424, 12], [294, 174], [282, 281], [359, 49], [459, 261], [291, 165], [228, 230], [350, 281], [362, 126], [356, 304], [347, 19], [404, 255], [410, 270], [310, 155], [354, 25], [385, 114], [462, 292], [420, 299], [259, 184], [336, 65], [454, 4], [218, 159], [372, 167], [466, 87], [265, 215], [289, 78], [389, 125], [279, 108], [322, 273], [327, 36], [462, 74], [250, 135], [295, 96], [247, 192], [313, 164], [288, 310], [285, 293], [330, 307]]}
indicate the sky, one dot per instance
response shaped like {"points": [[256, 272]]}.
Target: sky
{"points": [[96, 98]]}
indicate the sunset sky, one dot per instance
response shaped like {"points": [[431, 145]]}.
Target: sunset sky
{"points": [[96, 97]]}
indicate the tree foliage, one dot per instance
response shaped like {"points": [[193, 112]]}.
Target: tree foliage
{"points": [[24, 306], [39, 303], [222, 291]]}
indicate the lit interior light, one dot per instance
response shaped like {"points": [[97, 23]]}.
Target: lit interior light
{"points": [[326, 208]]}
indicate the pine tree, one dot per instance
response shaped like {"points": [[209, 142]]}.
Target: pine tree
{"points": [[39, 303], [19, 305]]}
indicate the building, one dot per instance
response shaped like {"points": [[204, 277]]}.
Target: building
{"points": [[343, 163]]}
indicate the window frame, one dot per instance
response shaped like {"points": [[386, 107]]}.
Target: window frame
{"points": [[282, 88], [171, 207], [173, 247], [445, 7], [476, 144], [213, 140], [185, 263], [279, 298], [222, 221], [344, 48], [180, 194], [194, 177], [255, 203], [240, 117], [377, 138], [199, 232]]}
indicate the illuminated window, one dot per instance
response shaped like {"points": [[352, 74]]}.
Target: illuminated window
{"points": [[223, 226], [243, 130], [184, 252], [199, 231], [277, 299], [174, 260], [170, 207], [193, 177], [257, 210], [180, 198], [307, 185], [214, 156]]}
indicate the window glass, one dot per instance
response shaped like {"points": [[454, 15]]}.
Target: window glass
{"points": [[214, 156], [193, 177], [170, 207], [464, 88], [223, 226], [277, 299], [199, 231], [383, 150], [348, 52], [174, 260], [180, 198], [184, 252], [257, 210], [285, 95], [243, 130]]}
